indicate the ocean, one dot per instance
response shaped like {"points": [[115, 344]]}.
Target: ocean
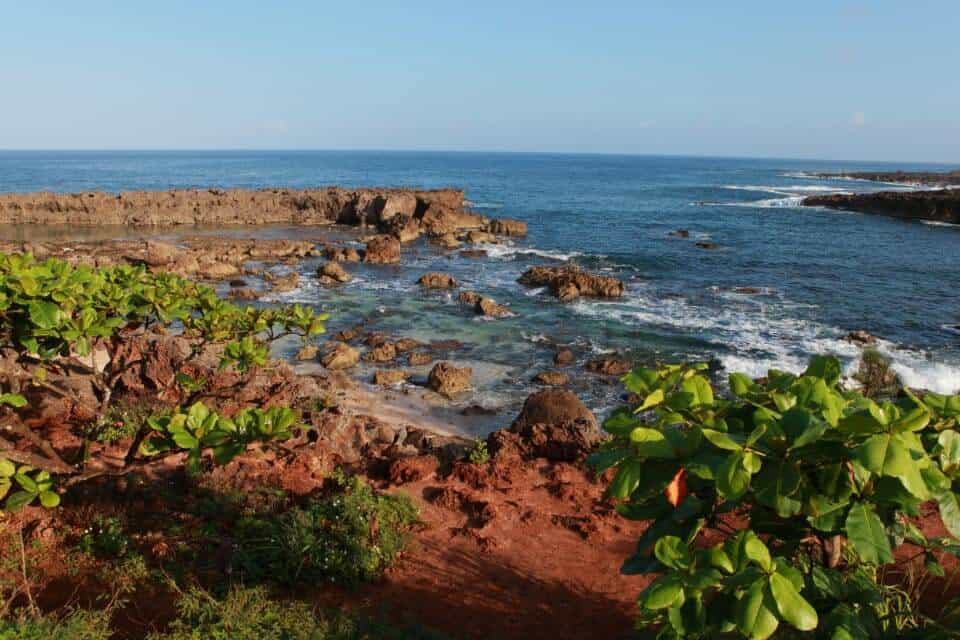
{"points": [[783, 283]]}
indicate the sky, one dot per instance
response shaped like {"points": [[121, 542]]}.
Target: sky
{"points": [[868, 80]]}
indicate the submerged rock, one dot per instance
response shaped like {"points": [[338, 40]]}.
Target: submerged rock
{"points": [[552, 378], [307, 352], [563, 356], [383, 352], [860, 337], [288, 282]]}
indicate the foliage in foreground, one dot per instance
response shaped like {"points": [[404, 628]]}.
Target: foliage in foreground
{"points": [[822, 484], [250, 614], [56, 319], [348, 537]]}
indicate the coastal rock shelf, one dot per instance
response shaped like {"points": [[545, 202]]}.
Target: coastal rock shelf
{"points": [[237, 206], [936, 206], [925, 178]]}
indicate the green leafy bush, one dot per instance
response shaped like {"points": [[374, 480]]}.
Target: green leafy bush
{"points": [[479, 454], [105, 538], [52, 313], [823, 483], [348, 537]]}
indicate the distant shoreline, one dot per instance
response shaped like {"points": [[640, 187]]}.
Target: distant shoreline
{"points": [[913, 178]]}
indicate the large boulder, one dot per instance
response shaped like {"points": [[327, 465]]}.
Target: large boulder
{"points": [[449, 380], [569, 283], [556, 425], [437, 280], [382, 250]]}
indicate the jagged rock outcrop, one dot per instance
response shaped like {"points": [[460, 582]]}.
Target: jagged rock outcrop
{"points": [[507, 227], [553, 424], [569, 283], [483, 305], [382, 250]]}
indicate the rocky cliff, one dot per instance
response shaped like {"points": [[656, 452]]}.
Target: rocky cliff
{"points": [[938, 206], [218, 207]]}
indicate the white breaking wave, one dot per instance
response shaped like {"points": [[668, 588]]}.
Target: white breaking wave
{"points": [[785, 190], [758, 338], [508, 251], [937, 223]]}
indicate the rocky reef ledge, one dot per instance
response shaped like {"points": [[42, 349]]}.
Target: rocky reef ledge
{"points": [[327, 205], [924, 178], [938, 206]]}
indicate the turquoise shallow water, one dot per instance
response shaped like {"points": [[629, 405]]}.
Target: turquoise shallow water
{"points": [[819, 273]]}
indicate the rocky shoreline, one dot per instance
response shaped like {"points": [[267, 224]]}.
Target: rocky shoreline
{"points": [[925, 178], [935, 206]]}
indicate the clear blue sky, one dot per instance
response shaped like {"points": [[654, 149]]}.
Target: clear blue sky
{"points": [[846, 80]]}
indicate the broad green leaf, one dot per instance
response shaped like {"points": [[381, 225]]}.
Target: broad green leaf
{"points": [[621, 422], [672, 552], [718, 558], [627, 478], [44, 314], [949, 511], [913, 421], [13, 399], [732, 478], [49, 499], [663, 592], [740, 384], [699, 387], [755, 612], [650, 443], [25, 481], [758, 552], [723, 440], [949, 445], [867, 535], [7, 468], [652, 400], [884, 455], [19, 500], [792, 606], [826, 367]]}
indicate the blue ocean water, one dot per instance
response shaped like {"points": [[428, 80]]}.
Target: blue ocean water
{"points": [[785, 281]]}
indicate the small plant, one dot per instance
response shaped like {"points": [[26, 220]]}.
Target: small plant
{"points": [[876, 378], [479, 453], [348, 537], [122, 421], [105, 538]]}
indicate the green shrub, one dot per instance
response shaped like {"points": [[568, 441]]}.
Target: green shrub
{"points": [[250, 614], [78, 625], [479, 454], [824, 481], [348, 537], [875, 376], [105, 538]]}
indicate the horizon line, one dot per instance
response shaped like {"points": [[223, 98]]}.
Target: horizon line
{"points": [[467, 152]]}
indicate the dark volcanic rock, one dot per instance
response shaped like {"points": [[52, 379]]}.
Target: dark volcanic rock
{"points": [[937, 206], [928, 178]]}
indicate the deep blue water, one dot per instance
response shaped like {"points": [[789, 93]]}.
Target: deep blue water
{"points": [[821, 273]]}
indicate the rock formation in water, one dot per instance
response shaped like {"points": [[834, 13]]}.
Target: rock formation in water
{"points": [[937, 206]]}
